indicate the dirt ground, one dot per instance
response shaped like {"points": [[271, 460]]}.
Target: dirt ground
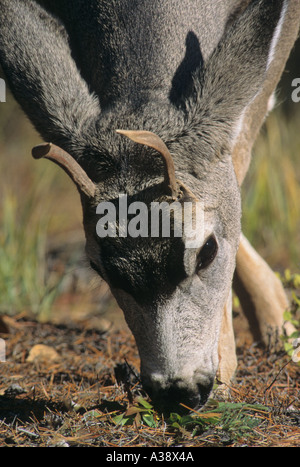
{"points": [[68, 392]]}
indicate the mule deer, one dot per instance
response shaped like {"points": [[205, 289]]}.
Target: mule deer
{"points": [[188, 85]]}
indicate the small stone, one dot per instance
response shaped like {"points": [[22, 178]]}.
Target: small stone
{"points": [[14, 390], [61, 444], [296, 355], [41, 352]]}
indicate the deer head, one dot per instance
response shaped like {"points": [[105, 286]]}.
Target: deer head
{"points": [[172, 295]]}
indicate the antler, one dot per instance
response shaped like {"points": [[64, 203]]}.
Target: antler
{"points": [[68, 164], [152, 140]]}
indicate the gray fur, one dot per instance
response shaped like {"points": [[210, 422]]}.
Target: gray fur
{"points": [[185, 71]]}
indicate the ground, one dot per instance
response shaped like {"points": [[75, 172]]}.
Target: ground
{"points": [[69, 393]]}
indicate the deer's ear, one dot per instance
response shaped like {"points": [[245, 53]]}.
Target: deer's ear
{"points": [[236, 71], [37, 62]]}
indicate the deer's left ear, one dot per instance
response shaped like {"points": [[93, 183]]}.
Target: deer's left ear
{"points": [[237, 71], [249, 124]]}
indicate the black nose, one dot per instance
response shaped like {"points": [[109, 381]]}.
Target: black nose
{"points": [[175, 398]]}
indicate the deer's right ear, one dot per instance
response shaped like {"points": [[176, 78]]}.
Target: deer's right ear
{"points": [[36, 59], [236, 71]]}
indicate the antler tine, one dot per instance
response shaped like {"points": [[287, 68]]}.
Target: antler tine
{"points": [[154, 141], [68, 164]]}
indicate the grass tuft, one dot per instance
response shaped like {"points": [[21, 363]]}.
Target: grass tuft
{"points": [[25, 284], [271, 192]]}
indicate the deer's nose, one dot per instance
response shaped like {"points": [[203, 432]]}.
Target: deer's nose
{"points": [[175, 396]]}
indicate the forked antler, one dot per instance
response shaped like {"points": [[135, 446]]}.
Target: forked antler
{"points": [[152, 140], [68, 164]]}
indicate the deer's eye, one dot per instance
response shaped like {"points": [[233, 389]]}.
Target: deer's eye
{"points": [[207, 253]]}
